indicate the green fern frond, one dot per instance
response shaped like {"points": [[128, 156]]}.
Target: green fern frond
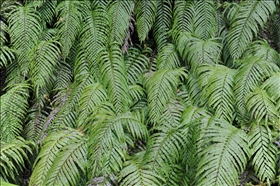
{"points": [[163, 23], [245, 25], [224, 155], [136, 92], [249, 75], [182, 16], [261, 106], [94, 36], [114, 77], [137, 173], [145, 12], [60, 160], [262, 49], [69, 15], [160, 88], [24, 30], [197, 51], [43, 59], [263, 152], [120, 13], [64, 76], [13, 158], [136, 63], [204, 20], [168, 57], [13, 105], [218, 90], [6, 56], [47, 10]]}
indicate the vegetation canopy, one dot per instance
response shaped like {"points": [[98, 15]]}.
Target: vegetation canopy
{"points": [[140, 92]]}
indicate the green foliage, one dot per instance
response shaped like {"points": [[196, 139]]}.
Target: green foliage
{"points": [[139, 92]]}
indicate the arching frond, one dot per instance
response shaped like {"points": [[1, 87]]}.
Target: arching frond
{"points": [[261, 106], [168, 57], [64, 76], [13, 158], [94, 36], [136, 63], [25, 29], [197, 51], [114, 77], [204, 19], [160, 88], [145, 12], [263, 152], [43, 59], [182, 16], [120, 14], [263, 50], [245, 25], [47, 10], [137, 173], [249, 75], [163, 23], [69, 15], [219, 92], [272, 90], [224, 156], [13, 105], [62, 157]]}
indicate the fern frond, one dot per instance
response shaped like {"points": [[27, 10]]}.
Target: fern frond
{"points": [[245, 25], [160, 88], [47, 10], [182, 15], [13, 158], [145, 12], [120, 13], [163, 23], [197, 51], [114, 77], [249, 75], [263, 152], [69, 15], [94, 36], [261, 106], [25, 29], [62, 156], [276, 30], [14, 105], [225, 157], [168, 57], [136, 63], [137, 173], [204, 20], [218, 91], [43, 59]]}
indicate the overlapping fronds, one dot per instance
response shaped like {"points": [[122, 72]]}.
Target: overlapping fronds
{"points": [[261, 106], [168, 57], [264, 152], [218, 90], [114, 77], [24, 30], [163, 23], [120, 14], [183, 14], [145, 12], [62, 157], [224, 155], [43, 59], [13, 105], [197, 51], [13, 157], [137, 173], [249, 75], [69, 15], [245, 24], [136, 63], [160, 88]]}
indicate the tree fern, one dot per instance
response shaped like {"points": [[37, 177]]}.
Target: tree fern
{"points": [[245, 25]]}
